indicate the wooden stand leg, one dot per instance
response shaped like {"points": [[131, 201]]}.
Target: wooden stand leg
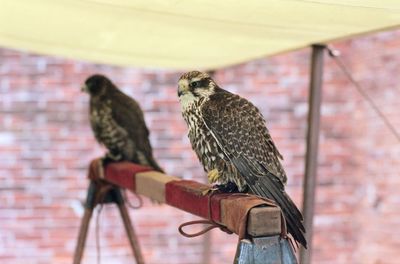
{"points": [[131, 234], [105, 193], [80, 246]]}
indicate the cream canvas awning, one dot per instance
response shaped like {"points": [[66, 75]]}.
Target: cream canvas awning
{"points": [[182, 34]]}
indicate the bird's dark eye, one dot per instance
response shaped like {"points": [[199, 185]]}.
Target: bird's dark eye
{"points": [[194, 84]]}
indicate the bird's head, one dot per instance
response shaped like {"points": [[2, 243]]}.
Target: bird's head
{"points": [[195, 85], [96, 84]]}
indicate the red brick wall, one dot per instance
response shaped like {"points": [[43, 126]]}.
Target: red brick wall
{"points": [[46, 144]]}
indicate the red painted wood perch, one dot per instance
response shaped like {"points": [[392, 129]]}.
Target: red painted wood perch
{"points": [[244, 215]]}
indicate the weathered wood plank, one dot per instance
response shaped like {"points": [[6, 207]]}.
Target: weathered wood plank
{"points": [[264, 221]]}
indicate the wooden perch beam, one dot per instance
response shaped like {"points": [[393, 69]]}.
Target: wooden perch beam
{"points": [[229, 210]]}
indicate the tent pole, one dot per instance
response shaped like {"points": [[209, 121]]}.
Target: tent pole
{"points": [[311, 159]]}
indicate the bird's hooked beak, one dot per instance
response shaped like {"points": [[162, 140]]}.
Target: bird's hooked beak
{"points": [[84, 88], [183, 87]]}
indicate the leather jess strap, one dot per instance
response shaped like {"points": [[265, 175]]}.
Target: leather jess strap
{"points": [[234, 219]]}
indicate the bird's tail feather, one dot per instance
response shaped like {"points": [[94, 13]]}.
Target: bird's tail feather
{"points": [[261, 182], [155, 165], [146, 158], [292, 214]]}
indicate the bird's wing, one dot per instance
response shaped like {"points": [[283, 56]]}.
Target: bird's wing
{"points": [[128, 114], [240, 131]]}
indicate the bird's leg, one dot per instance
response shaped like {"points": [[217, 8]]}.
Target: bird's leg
{"points": [[212, 176], [104, 161], [228, 187], [210, 190], [110, 157]]}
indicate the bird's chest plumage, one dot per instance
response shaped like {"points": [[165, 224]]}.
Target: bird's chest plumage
{"points": [[105, 128], [200, 137], [100, 117]]}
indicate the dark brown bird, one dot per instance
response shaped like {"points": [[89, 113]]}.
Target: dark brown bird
{"points": [[118, 123], [229, 135]]}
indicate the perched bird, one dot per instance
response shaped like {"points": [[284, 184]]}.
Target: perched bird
{"points": [[231, 140], [118, 123]]}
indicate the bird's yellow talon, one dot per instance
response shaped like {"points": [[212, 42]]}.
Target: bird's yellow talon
{"points": [[208, 191], [213, 176]]}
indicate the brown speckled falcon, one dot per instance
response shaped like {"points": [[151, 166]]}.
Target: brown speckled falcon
{"points": [[118, 123], [231, 140]]}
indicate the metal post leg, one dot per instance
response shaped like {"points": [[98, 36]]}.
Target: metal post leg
{"points": [[265, 250]]}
